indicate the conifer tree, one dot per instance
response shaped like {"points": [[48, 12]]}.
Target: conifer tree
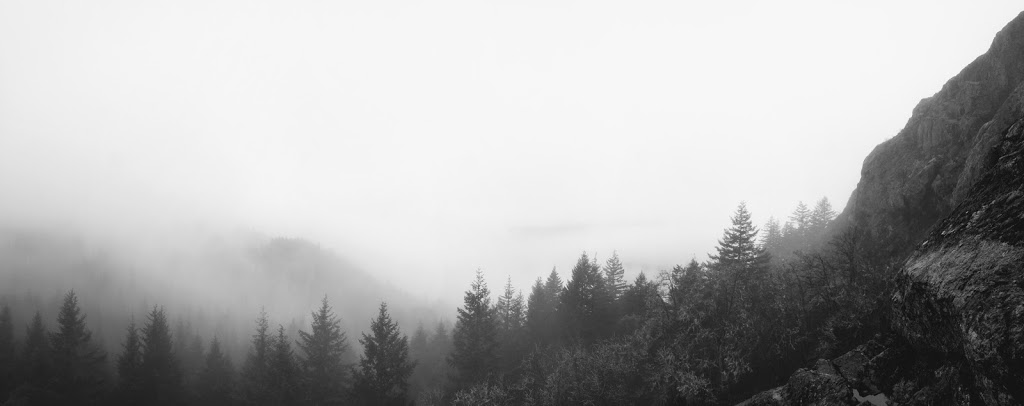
{"points": [[801, 217], [511, 317], [475, 347], [434, 365], [129, 366], [283, 375], [553, 285], [797, 237], [615, 276], [384, 369], [586, 302], [821, 216], [441, 339], [535, 307], [418, 344], [542, 310], [160, 372], [510, 309], [324, 371], [6, 352], [740, 282], [641, 299], [36, 358], [688, 283], [738, 247], [771, 240], [419, 352], [254, 383], [216, 378], [192, 360], [78, 364]]}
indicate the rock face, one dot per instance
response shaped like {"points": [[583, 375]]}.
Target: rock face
{"points": [[916, 178], [962, 294], [954, 178]]}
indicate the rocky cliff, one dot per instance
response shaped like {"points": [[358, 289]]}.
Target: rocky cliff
{"points": [[954, 178], [962, 294], [916, 178]]}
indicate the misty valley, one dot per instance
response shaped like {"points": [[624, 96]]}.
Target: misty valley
{"points": [[700, 333], [511, 203]]}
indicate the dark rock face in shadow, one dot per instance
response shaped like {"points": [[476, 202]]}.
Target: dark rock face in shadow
{"points": [[913, 180], [962, 293], [954, 178]]}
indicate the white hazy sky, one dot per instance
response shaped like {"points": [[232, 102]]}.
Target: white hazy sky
{"points": [[425, 139]]}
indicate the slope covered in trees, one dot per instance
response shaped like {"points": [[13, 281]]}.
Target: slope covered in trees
{"points": [[809, 293], [701, 332]]}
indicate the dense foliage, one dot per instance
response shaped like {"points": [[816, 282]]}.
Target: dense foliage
{"points": [[765, 303]]}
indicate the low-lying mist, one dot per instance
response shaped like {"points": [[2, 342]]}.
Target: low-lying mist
{"points": [[215, 283]]}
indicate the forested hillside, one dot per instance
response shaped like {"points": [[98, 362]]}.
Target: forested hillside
{"points": [[703, 332], [911, 294]]}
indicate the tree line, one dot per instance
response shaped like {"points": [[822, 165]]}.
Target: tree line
{"points": [[702, 333], [65, 366]]}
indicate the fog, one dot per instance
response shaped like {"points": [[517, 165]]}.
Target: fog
{"points": [[420, 141]]}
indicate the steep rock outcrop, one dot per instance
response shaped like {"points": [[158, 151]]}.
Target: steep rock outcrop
{"points": [[954, 174], [914, 179], [962, 293]]}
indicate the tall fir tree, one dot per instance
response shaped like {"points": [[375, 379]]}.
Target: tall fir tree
{"points": [[432, 371], [688, 284], [738, 247], [192, 360], [797, 237], [553, 327], [821, 216], [474, 354], [511, 318], [36, 359], [419, 352], [537, 312], [78, 363], [160, 372], [283, 375], [740, 282], [418, 343], [615, 276], [801, 217], [553, 285], [323, 367], [771, 239], [215, 383], [384, 369], [255, 371], [641, 299], [586, 305], [129, 367], [509, 310]]}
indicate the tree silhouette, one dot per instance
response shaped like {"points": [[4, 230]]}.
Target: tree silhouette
{"points": [[216, 378], [324, 371], [160, 372], [475, 352], [283, 374], [78, 364], [253, 388], [615, 276], [129, 366], [384, 367], [586, 303]]}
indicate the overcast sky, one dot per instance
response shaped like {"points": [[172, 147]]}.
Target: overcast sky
{"points": [[425, 139]]}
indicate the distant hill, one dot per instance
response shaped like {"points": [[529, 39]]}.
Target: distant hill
{"points": [[214, 283]]}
